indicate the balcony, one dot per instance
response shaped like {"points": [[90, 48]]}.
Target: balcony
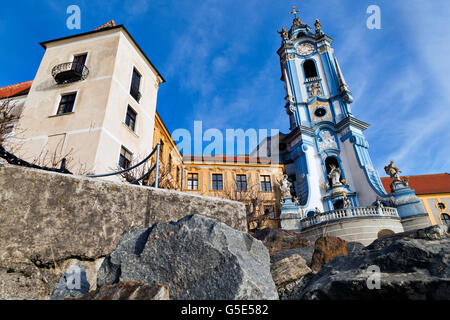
{"points": [[312, 79], [69, 72], [355, 212]]}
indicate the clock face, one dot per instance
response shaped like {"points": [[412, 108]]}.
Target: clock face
{"points": [[305, 49]]}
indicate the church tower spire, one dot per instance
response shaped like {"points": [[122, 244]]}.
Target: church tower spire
{"points": [[327, 157]]}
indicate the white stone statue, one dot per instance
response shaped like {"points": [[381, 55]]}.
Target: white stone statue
{"points": [[393, 172], [285, 187], [335, 175], [379, 203], [346, 200]]}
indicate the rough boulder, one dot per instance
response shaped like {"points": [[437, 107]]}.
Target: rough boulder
{"points": [[279, 239], [326, 249], [197, 258], [128, 291], [413, 265]]}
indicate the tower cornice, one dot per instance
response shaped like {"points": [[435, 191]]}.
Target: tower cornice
{"points": [[352, 121]]}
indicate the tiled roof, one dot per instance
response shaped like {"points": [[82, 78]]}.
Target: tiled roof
{"points": [[107, 25], [424, 184], [14, 90]]}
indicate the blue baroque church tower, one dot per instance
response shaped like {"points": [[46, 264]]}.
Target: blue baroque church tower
{"points": [[330, 183], [325, 154]]}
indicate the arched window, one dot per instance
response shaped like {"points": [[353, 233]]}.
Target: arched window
{"points": [[445, 218], [310, 214], [339, 204], [310, 69]]}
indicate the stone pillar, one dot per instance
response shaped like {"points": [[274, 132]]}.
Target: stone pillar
{"points": [[409, 207], [290, 217]]}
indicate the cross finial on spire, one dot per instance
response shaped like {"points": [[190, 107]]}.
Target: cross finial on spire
{"points": [[294, 11]]}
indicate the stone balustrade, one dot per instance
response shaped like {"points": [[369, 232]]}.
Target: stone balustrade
{"points": [[348, 213]]}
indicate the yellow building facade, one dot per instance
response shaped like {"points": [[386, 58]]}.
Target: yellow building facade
{"points": [[253, 181], [171, 160]]}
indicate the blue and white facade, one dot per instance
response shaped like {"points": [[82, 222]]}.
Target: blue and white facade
{"points": [[323, 131]]}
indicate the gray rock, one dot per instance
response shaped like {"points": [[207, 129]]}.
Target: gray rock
{"points": [[294, 290], [73, 283], [49, 219], [306, 253], [437, 232], [279, 239], [289, 270], [197, 258], [354, 246], [409, 269], [127, 291]]}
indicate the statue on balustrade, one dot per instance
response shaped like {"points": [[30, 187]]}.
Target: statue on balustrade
{"points": [[379, 204], [346, 200], [285, 188]]}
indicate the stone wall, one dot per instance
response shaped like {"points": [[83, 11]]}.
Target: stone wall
{"points": [[418, 221], [360, 229], [48, 219]]}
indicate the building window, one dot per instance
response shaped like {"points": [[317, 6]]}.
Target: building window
{"points": [[217, 182], [161, 147], [192, 181], [130, 119], [241, 182], [265, 184], [268, 210], [169, 166], [66, 103], [310, 69], [135, 85], [125, 158], [445, 218], [441, 205], [79, 62]]}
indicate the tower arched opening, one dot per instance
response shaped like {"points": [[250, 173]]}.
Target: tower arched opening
{"points": [[329, 162], [309, 67]]}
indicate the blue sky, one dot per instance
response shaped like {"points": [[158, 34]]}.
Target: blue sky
{"points": [[219, 59]]}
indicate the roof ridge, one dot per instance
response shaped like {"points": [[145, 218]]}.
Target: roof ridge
{"points": [[109, 24], [15, 89]]}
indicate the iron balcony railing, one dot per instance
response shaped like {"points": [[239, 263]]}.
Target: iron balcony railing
{"points": [[70, 72]]}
